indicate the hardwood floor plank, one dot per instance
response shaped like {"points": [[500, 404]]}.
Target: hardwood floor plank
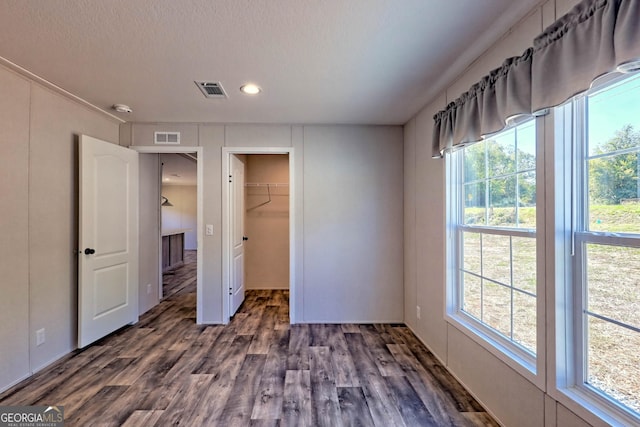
{"points": [[283, 320], [350, 328], [232, 360], [413, 411], [378, 349], [319, 335], [257, 370], [81, 388], [140, 394], [296, 406], [214, 399], [45, 382], [437, 401], [264, 423], [142, 338], [298, 358], [324, 396], [237, 411], [268, 403], [279, 298], [383, 410], [353, 407], [251, 323], [463, 400], [262, 339], [94, 408], [344, 368], [142, 418], [206, 360], [185, 401]]}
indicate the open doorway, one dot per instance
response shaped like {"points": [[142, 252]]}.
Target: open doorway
{"points": [[195, 154], [267, 221], [178, 219], [258, 216]]}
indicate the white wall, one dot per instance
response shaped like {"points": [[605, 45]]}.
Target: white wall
{"points": [[39, 132], [506, 394], [149, 229], [14, 228], [267, 225], [183, 214], [352, 224], [348, 181]]}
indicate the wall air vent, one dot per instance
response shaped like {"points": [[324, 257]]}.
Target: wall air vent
{"points": [[172, 138], [212, 89]]}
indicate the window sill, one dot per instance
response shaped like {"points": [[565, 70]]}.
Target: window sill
{"points": [[495, 345], [594, 409]]}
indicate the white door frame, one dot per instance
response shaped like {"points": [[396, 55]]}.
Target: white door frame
{"points": [[154, 149], [226, 214]]}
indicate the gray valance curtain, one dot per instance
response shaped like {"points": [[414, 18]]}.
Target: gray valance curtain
{"points": [[594, 38], [591, 40], [483, 109]]}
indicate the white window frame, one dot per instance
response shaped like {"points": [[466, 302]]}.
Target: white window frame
{"points": [[567, 257], [531, 367]]}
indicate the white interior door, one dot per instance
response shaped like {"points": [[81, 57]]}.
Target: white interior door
{"points": [[108, 239], [236, 188]]}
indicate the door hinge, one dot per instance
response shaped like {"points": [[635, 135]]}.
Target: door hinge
{"points": [[230, 176]]}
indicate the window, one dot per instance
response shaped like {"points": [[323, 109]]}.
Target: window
{"points": [[492, 253], [606, 244]]}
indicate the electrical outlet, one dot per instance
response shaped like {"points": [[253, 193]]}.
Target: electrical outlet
{"points": [[418, 312], [148, 288], [40, 337], [209, 230]]}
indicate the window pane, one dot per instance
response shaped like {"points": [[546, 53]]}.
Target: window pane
{"points": [[524, 320], [613, 361], [496, 258], [474, 162], [611, 111], [502, 201], [527, 200], [501, 157], [471, 252], [614, 193], [496, 307], [526, 143], [613, 283], [472, 295], [474, 203], [498, 189], [524, 263]]}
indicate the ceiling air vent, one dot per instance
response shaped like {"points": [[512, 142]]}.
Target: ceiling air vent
{"points": [[212, 89], [166, 138]]}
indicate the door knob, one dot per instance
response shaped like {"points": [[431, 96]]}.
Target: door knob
{"points": [[89, 251], [245, 238]]}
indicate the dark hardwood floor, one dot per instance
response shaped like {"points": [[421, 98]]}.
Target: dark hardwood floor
{"points": [[256, 371], [177, 279]]}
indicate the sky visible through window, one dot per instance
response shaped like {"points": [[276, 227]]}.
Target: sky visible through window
{"points": [[612, 109]]}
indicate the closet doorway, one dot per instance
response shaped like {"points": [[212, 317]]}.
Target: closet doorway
{"points": [[258, 242]]}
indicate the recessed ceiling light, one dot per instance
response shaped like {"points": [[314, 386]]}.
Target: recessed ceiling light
{"points": [[250, 89], [121, 108]]}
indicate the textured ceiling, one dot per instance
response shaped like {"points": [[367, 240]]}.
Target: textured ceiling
{"points": [[318, 61], [178, 169]]}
